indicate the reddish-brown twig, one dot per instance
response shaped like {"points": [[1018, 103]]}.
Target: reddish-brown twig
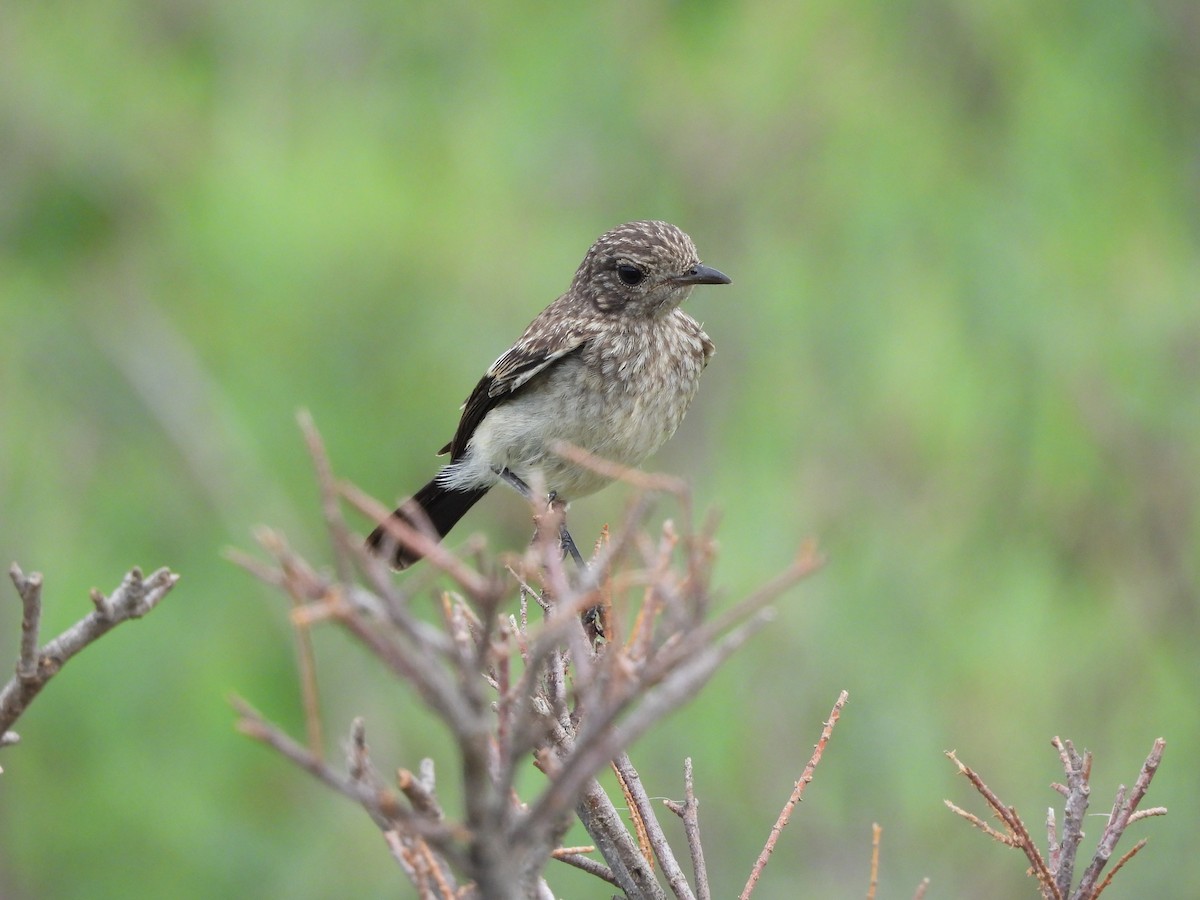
{"points": [[797, 793]]}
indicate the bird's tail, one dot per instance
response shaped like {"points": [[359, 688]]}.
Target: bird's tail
{"points": [[442, 506]]}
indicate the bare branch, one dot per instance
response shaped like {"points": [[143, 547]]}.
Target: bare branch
{"points": [[689, 811], [419, 789], [1007, 839], [30, 589], [1130, 854], [640, 801], [645, 481], [676, 688], [589, 865], [602, 821], [1122, 814], [797, 794], [1018, 836], [508, 688], [434, 552], [876, 832], [1147, 813], [133, 598], [339, 533], [1074, 811], [1055, 876], [252, 724]]}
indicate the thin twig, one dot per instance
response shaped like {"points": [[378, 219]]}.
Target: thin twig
{"points": [[401, 853], [689, 811], [330, 508], [420, 791], [1053, 850], [1076, 768], [679, 686], [1018, 835], [383, 805], [602, 821], [640, 830], [434, 552], [589, 865], [876, 831], [132, 599], [636, 792], [30, 589], [1007, 839], [1147, 813], [1132, 852], [252, 724], [645, 481], [686, 664], [1122, 814], [797, 794], [507, 689], [1055, 875]]}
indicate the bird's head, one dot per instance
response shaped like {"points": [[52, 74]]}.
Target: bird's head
{"points": [[642, 268]]}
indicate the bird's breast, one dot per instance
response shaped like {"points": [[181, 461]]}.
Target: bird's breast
{"points": [[620, 398]]}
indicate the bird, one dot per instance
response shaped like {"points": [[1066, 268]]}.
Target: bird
{"points": [[611, 366]]}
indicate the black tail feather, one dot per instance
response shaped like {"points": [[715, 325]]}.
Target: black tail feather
{"points": [[442, 506]]}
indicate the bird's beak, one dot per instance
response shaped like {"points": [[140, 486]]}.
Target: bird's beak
{"points": [[702, 275]]}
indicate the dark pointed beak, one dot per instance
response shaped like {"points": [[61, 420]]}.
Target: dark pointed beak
{"points": [[703, 275]]}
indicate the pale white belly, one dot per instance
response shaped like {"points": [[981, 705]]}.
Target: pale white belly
{"points": [[619, 406]]}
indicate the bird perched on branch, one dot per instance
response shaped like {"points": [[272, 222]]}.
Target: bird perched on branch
{"points": [[611, 366]]}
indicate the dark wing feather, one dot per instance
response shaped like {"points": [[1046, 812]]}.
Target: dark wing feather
{"points": [[538, 348]]}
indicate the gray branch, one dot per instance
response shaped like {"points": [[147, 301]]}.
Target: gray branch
{"points": [[689, 811], [133, 598], [1054, 870], [512, 690]]}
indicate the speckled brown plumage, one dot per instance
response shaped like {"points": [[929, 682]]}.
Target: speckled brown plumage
{"points": [[611, 366]]}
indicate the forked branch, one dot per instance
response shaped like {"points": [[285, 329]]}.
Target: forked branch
{"points": [[591, 662], [1055, 869], [36, 665]]}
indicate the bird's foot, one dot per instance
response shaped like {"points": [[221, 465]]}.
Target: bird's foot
{"points": [[565, 541], [554, 505]]}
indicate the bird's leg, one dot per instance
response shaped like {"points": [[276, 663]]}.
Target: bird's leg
{"points": [[564, 537], [515, 483], [594, 618]]}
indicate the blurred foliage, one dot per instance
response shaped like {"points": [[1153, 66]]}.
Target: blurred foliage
{"points": [[962, 349]]}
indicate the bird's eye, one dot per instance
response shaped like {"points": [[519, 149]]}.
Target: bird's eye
{"points": [[630, 274]]}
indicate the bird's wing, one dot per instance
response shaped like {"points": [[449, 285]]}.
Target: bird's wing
{"points": [[544, 343]]}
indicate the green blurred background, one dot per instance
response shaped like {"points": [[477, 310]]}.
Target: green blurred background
{"points": [[962, 350]]}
